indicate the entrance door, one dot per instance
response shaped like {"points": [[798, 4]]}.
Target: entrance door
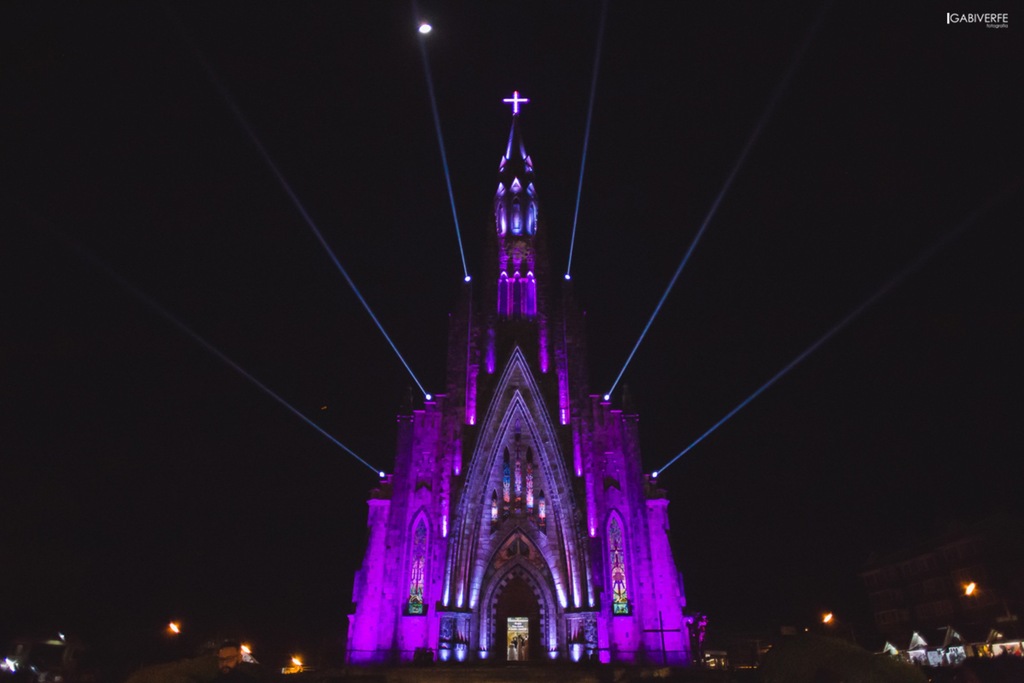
{"points": [[517, 622], [517, 644]]}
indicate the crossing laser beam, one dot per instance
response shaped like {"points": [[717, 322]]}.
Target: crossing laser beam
{"points": [[98, 263], [440, 142], [897, 279], [755, 133], [586, 134], [286, 186]]}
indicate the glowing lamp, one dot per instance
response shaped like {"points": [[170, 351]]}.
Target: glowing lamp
{"points": [[970, 588], [568, 277], [381, 474], [244, 647], [425, 28], [296, 661], [429, 397], [467, 278], [827, 618], [607, 397], [174, 627], [654, 474]]}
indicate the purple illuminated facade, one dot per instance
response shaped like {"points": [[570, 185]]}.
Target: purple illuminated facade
{"points": [[518, 524]]}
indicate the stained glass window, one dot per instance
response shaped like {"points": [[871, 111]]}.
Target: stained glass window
{"points": [[419, 557], [494, 506], [529, 486], [519, 478], [620, 598]]}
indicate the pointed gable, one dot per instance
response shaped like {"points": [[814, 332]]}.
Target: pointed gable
{"points": [[518, 414]]}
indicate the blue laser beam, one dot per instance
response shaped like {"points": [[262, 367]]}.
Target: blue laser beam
{"points": [[92, 259], [586, 135], [895, 280], [286, 186], [440, 139], [769, 109]]}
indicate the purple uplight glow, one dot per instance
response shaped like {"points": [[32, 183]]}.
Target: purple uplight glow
{"points": [[543, 360], [490, 358], [471, 376], [515, 100], [563, 395], [577, 459]]}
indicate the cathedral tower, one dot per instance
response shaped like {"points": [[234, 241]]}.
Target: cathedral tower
{"points": [[518, 524]]}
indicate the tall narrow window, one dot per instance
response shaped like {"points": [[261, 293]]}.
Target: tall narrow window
{"points": [[517, 218], [620, 597], [503, 294], [530, 297], [506, 480], [529, 485], [494, 507], [520, 301], [419, 558], [519, 479]]}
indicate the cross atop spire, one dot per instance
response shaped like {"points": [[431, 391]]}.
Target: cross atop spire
{"points": [[514, 101]]}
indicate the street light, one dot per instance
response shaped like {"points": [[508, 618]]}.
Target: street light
{"points": [[833, 624], [971, 590], [174, 628]]}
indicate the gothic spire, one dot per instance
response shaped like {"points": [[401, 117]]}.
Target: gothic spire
{"points": [[515, 209], [515, 219]]}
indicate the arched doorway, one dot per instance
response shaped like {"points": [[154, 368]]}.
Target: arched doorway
{"points": [[517, 617]]}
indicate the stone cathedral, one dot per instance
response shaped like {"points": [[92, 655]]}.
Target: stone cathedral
{"points": [[518, 524]]}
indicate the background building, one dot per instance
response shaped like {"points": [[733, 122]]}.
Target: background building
{"points": [[966, 584]]}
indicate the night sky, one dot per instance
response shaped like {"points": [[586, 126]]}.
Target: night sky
{"points": [[144, 479]]}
